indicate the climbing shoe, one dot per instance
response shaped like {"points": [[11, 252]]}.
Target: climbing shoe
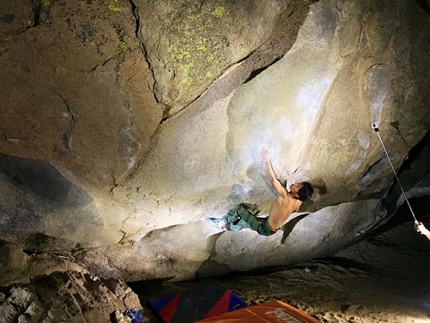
{"points": [[217, 223]]}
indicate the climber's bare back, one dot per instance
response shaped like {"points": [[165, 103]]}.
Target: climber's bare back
{"points": [[282, 208]]}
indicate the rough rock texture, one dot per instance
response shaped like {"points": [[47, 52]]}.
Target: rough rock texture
{"points": [[192, 43], [67, 297], [96, 172], [19, 266], [76, 88]]}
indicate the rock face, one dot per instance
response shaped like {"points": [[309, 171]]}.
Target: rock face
{"points": [[192, 43], [67, 297], [76, 90], [121, 133]]}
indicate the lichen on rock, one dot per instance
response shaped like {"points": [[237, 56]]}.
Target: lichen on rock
{"points": [[197, 41]]}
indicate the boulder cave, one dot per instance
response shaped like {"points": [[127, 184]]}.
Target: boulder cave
{"points": [[124, 125]]}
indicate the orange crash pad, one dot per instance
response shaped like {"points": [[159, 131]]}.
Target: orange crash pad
{"points": [[270, 312]]}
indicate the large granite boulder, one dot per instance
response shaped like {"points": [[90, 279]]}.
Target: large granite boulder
{"points": [[121, 134]]}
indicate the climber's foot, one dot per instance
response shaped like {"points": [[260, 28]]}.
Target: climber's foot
{"points": [[217, 223]]}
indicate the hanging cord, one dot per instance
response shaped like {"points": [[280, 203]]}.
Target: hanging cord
{"points": [[418, 225]]}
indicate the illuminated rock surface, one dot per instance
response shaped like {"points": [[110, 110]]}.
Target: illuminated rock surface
{"points": [[120, 134]]}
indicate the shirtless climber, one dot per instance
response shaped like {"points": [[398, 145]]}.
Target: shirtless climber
{"points": [[287, 202]]}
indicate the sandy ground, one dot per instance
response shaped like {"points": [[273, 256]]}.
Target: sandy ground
{"points": [[385, 278]]}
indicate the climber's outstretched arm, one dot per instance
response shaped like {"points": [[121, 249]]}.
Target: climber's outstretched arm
{"points": [[265, 155]]}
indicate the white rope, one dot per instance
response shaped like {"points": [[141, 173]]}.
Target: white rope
{"points": [[419, 226], [374, 127]]}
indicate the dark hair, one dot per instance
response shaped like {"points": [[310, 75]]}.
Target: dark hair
{"points": [[305, 191]]}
